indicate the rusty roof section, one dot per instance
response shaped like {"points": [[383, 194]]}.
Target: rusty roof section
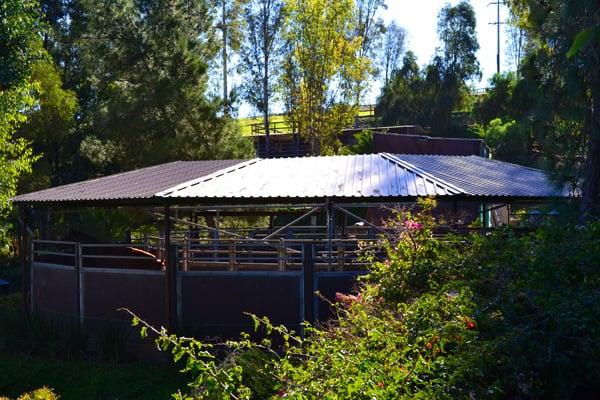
{"points": [[141, 183]]}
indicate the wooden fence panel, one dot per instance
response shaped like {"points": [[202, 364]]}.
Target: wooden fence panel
{"points": [[214, 303], [107, 290], [54, 289]]}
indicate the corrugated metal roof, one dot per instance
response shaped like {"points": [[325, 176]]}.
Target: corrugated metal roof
{"points": [[383, 175], [138, 184], [315, 177], [365, 176], [480, 176]]}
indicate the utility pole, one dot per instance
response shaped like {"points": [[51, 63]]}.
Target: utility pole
{"points": [[498, 3]]}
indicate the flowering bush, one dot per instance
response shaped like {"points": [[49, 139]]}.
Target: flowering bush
{"points": [[501, 316]]}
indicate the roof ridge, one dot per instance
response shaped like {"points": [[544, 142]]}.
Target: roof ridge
{"points": [[405, 164], [169, 191]]}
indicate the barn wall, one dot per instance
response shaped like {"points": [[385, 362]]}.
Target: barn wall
{"points": [[214, 303], [209, 303], [107, 290], [54, 289]]}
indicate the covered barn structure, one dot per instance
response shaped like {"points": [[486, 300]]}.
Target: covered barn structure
{"points": [[183, 267]]}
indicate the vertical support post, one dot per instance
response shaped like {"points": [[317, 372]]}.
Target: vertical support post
{"points": [[508, 214], [281, 255], [79, 277], [31, 276], [267, 140], [170, 273], [485, 216], [23, 246], [232, 256], [186, 252], [340, 256], [296, 143], [308, 265], [179, 317], [172, 287], [330, 231]]}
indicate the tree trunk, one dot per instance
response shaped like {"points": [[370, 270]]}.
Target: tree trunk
{"points": [[265, 83], [591, 185], [224, 54]]}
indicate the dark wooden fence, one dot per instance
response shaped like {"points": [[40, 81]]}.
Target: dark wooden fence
{"points": [[210, 297]]}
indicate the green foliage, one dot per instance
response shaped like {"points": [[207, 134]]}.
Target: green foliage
{"points": [[584, 38], [322, 64], [499, 101], [429, 97], [147, 82], [508, 141], [456, 30], [37, 334], [38, 394], [21, 48], [536, 302], [261, 50], [49, 123], [564, 91], [502, 316], [234, 375], [21, 45], [413, 259], [363, 144], [83, 379]]}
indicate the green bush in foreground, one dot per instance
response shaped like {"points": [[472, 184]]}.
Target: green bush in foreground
{"points": [[39, 394], [480, 317]]}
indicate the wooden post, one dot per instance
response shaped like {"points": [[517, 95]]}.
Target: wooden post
{"points": [[232, 256], [26, 278], [170, 273], [308, 264], [79, 279], [281, 255], [340, 257], [171, 279], [330, 231], [31, 276], [186, 252]]}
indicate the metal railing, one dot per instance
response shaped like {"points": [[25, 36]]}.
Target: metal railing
{"points": [[274, 254], [54, 252]]}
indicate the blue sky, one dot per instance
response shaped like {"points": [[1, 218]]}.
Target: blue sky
{"points": [[419, 18]]}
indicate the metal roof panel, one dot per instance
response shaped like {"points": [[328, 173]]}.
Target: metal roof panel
{"points": [[138, 184], [353, 176]]}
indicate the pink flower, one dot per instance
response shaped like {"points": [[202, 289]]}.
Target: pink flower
{"points": [[347, 299], [413, 225]]}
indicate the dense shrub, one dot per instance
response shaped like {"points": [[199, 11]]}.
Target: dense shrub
{"points": [[38, 334], [503, 316], [39, 394]]}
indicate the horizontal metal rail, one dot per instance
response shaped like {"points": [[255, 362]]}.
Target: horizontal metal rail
{"points": [[40, 241], [53, 253]]}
